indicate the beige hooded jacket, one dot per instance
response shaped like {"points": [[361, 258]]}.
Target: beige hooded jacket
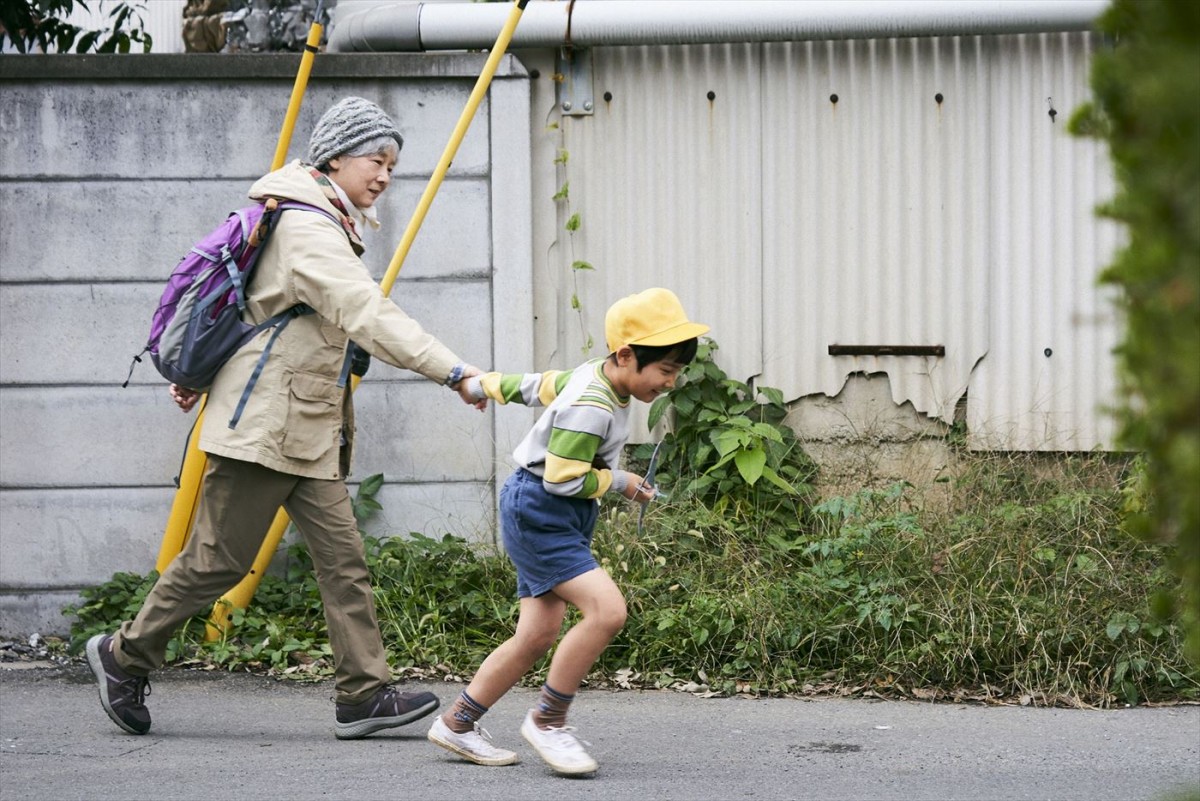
{"points": [[297, 420]]}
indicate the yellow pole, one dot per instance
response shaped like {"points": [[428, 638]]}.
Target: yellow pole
{"points": [[183, 508], [239, 597], [460, 130], [311, 45]]}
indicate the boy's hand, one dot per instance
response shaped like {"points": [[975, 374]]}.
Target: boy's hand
{"points": [[184, 398], [465, 393], [636, 491]]}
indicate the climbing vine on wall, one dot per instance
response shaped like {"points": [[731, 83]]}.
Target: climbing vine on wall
{"points": [[572, 224]]}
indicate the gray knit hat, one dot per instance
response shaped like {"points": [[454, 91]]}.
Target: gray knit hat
{"points": [[348, 123]]}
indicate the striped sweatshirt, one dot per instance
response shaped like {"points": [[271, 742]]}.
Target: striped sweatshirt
{"points": [[576, 443]]}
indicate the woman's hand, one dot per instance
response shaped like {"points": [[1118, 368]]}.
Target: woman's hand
{"points": [[184, 398]]}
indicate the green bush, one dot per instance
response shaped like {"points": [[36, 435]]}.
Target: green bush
{"points": [[40, 25], [442, 603], [1024, 585], [1147, 108], [1027, 587], [729, 449]]}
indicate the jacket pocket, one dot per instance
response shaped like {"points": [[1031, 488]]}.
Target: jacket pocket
{"points": [[313, 417], [333, 336]]}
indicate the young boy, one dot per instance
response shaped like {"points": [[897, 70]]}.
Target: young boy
{"points": [[548, 511]]}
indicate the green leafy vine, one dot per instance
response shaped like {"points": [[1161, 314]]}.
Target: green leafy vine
{"points": [[571, 226]]}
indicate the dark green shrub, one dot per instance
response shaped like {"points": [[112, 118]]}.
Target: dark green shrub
{"points": [[729, 449], [33, 25], [1147, 108]]}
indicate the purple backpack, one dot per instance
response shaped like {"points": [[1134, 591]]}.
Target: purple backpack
{"points": [[198, 323]]}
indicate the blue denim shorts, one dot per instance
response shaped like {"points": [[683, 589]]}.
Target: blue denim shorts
{"points": [[547, 537]]}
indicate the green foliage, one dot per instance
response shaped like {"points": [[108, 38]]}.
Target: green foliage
{"points": [[365, 505], [39, 25], [442, 602], [729, 448], [1026, 587], [1147, 108], [102, 608], [573, 222], [1023, 584]]}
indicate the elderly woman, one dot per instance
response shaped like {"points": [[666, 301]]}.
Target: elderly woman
{"points": [[292, 446]]}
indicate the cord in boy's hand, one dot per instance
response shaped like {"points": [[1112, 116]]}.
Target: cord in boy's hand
{"points": [[184, 398], [464, 392]]}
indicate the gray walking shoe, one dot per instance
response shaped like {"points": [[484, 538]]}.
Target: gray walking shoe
{"points": [[386, 709], [122, 694]]}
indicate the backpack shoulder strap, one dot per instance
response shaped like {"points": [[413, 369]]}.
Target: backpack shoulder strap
{"points": [[296, 204], [279, 322], [341, 222]]}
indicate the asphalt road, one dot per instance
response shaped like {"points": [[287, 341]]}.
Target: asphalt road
{"points": [[221, 736]]}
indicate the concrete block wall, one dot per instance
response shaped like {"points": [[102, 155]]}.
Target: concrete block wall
{"points": [[110, 168]]}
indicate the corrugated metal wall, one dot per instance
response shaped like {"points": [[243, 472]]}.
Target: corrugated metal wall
{"points": [[1048, 371], [902, 192], [876, 228], [668, 185]]}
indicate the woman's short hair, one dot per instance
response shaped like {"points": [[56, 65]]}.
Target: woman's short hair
{"points": [[380, 144]]}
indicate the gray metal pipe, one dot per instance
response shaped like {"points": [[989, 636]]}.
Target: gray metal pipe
{"points": [[416, 26]]}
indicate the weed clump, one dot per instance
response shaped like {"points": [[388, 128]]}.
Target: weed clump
{"points": [[1041, 597]]}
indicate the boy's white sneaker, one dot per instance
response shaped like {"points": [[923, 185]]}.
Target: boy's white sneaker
{"points": [[559, 747], [474, 746]]}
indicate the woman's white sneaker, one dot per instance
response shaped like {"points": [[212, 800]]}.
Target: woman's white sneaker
{"points": [[559, 747], [474, 746]]}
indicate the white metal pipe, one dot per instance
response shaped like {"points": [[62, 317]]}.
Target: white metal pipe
{"points": [[414, 26]]}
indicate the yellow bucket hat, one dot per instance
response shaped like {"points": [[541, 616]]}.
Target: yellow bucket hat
{"points": [[653, 317]]}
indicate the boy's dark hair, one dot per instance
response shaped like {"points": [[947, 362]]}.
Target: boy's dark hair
{"points": [[679, 352]]}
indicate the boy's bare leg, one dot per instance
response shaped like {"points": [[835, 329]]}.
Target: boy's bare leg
{"points": [[538, 625], [603, 614], [603, 608], [457, 729]]}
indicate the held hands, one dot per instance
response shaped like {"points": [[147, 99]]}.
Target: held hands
{"points": [[184, 398], [465, 393], [636, 491]]}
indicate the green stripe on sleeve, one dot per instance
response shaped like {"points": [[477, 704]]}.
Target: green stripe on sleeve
{"points": [[510, 388]]}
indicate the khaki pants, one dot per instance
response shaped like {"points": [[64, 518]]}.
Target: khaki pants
{"points": [[237, 504]]}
